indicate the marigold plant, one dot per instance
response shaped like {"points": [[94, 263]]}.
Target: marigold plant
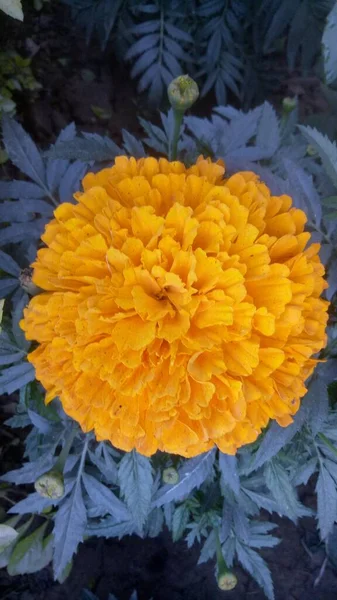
{"points": [[180, 309]]}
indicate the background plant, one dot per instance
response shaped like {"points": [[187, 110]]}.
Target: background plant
{"points": [[229, 46], [16, 78]]}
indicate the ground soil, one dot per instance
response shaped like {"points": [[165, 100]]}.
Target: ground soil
{"points": [[74, 78], [163, 570]]}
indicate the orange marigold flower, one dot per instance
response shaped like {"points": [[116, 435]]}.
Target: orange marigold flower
{"points": [[181, 309]]}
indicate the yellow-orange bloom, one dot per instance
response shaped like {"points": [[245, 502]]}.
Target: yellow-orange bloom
{"points": [[181, 309]]}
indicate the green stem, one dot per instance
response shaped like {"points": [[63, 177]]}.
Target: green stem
{"points": [[61, 461], [222, 566], [178, 119], [327, 442]]}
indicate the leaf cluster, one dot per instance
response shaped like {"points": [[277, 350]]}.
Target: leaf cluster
{"points": [[110, 493], [229, 46], [16, 76]]}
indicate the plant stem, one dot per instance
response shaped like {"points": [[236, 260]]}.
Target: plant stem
{"points": [[327, 442], [222, 567], [178, 119], [61, 461]]}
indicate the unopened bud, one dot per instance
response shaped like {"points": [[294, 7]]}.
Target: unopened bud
{"points": [[182, 92], [170, 475], [50, 485], [289, 104], [26, 282], [227, 581], [311, 151]]}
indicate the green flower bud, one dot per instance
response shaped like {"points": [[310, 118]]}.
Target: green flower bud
{"points": [[289, 104], [50, 485], [311, 151], [227, 581], [26, 282], [170, 475], [182, 92]]}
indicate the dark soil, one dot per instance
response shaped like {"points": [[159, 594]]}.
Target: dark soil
{"points": [[75, 78], [163, 570]]}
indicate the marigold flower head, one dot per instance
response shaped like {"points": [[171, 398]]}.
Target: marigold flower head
{"points": [[181, 308]]}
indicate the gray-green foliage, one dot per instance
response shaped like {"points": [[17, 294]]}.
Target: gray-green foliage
{"points": [[110, 493], [226, 45], [329, 46]]}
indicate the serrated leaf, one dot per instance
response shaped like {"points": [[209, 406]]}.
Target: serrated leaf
{"points": [[275, 438], [326, 502], [133, 146], [179, 521], [240, 523], [277, 481], [304, 472], [155, 522], [42, 424], [268, 135], [69, 528], [8, 264], [329, 46], [7, 286], [30, 471], [104, 462], [228, 550], [256, 566], [209, 548], [22, 151], [331, 546], [109, 527], [71, 181], [13, 8], [280, 19], [317, 403], [6, 554], [18, 190], [90, 147], [7, 536], [19, 232], [102, 496], [262, 500], [135, 479], [191, 476], [16, 377], [144, 43], [30, 553], [18, 421], [326, 149], [157, 138], [56, 168], [229, 471], [303, 191], [17, 315], [34, 503]]}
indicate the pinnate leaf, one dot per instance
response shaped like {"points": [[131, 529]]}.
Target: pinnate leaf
{"points": [[191, 476], [135, 479]]}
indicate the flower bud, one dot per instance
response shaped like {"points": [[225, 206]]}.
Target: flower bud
{"points": [[311, 151], [50, 485], [182, 92], [227, 581], [170, 475], [288, 105], [26, 282]]}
